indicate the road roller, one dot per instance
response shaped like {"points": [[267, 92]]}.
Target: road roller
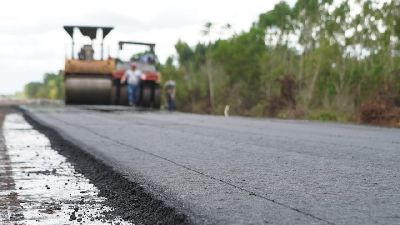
{"points": [[88, 80], [149, 91]]}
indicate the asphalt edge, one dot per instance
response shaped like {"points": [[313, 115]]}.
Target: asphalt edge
{"points": [[130, 199]]}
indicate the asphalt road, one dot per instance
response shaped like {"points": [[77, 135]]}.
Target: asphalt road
{"points": [[219, 170]]}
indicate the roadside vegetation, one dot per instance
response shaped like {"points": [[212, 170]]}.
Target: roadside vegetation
{"points": [[52, 87], [316, 60]]}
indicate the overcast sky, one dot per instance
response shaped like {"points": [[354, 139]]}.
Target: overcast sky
{"points": [[32, 41]]}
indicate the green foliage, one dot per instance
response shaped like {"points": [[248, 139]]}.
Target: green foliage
{"points": [[280, 17], [185, 52], [241, 55], [32, 89], [51, 87], [323, 116]]}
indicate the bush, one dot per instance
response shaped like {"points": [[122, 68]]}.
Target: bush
{"points": [[323, 116]]}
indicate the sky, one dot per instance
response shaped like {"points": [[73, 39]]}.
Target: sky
{"points": [[32, 41]]}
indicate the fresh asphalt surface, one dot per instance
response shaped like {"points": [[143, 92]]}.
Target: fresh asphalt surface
{"points": [[234, 170]]}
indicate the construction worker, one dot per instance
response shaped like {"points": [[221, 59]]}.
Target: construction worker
{"points": [[170, 95], [132, 77]]}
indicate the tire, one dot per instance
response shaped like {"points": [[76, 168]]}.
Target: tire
{"points": [[156, 97], [146, 96]]}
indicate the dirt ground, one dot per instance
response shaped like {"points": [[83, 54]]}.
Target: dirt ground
{"points": [[381, 110]]}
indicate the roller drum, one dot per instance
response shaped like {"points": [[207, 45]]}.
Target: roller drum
{"points": [[88, 89]]}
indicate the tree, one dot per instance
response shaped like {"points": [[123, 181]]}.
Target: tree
{"points": [[32, 89], [207, 32], [185, 55], [52, 87]]}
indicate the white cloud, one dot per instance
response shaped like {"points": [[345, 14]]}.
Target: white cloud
{"points": [[32, 41]]}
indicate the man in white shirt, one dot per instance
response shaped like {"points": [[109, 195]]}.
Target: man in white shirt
{"points": [[132, 77]]}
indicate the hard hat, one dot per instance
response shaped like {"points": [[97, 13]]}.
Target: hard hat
{"points": [[170, 84]]}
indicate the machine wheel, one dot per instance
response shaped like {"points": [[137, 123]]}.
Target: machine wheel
{"points": [[88, 90], [146, 96], [156, 97]]}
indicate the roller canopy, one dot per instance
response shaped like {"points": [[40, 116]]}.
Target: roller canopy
{"points": [[89, 31], [122, 43]]}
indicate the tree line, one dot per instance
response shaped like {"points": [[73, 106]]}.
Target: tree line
{"points": [[52, 87], [316, 60]]}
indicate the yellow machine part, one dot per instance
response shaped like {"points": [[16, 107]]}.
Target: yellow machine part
{"points": [[98, 67]]}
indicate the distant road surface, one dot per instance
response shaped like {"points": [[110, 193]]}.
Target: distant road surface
{"points": [[237, 170]]}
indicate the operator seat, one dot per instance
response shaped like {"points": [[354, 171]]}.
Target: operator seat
{"points": [[86, 53]]}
